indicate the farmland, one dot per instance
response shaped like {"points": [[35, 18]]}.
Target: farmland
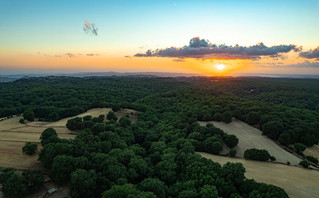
{"points": [[250, 137], [297, 182]]}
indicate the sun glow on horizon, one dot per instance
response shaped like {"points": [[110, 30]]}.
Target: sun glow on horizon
{"points": [[220, 66]]}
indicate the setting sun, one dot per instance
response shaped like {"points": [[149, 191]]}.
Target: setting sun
{"points": [[220, 66]]}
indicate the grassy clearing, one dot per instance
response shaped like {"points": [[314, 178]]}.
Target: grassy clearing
{"points": [[250, 137], [313, 151], [93, 112], [297, 182]]}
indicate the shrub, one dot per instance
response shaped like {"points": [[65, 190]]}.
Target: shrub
{"points": [[21, 121], [28, 115], [29, 148], [232, 152], [312, 159], [256, 154], [227, 116], [304, 163], [299, 148], [231, 140], [111, 116]]}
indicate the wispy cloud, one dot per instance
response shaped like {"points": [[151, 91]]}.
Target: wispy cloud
{"points": [[203, 49], [304, 64]]}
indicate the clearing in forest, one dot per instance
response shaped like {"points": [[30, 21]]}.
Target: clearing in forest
{"points": [[296, 181], [14, 135], [250, 137]]}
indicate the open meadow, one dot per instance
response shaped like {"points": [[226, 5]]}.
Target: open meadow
{"points": [[250, 137], [297, 182]]}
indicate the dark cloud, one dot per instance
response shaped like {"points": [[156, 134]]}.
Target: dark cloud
{"points": [[127, 56], [93, 54], [200, 48], [310, 54]]}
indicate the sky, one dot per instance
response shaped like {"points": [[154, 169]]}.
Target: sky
{"points": [[205, 37]]}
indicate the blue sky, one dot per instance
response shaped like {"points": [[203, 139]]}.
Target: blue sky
{"points": [[55, 26]]}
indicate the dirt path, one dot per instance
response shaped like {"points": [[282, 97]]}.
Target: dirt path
{"points": [[297, 182], [250, 137]]}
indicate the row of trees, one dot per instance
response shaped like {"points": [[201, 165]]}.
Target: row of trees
{"points": [[16, 184]]}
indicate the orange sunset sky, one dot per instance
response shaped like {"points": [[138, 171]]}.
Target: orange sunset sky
{"points": [[198, 37]]}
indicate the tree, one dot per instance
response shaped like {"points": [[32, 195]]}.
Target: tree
{"points": [[284, 139], [232, 152], [233, 172], [14, 186], [256, 154], [46, 134], [98, 128], [28, 115], [115, 107], [304, 163], [252, 117], [111, 116], [61, 168], [125, 121], [299, 148], [33, 179], [83, 183], [312, 159], [153, 185], [230, 140], [53, 116], [227, 117], [212, 146], [217, 117], [74, 123], [273, 129], [123, 191], [21, 121], [209, 191], [30, 148]]}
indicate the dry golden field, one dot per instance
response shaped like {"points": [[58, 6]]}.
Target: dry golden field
{"points": [[250, 137], [296, 181]]}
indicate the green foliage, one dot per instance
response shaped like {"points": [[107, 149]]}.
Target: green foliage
{"points": [[61, 168], [273, 129], [153, 185], [125, 121], [227, 117], [299, 148], [53, 116], [253, 118], [312, 159], [33, 179], [233, 172], [232, 152], [46, 135], [74, 124], [284, 139], [217, 117], [83, 183], [230, 140], [212, 145], [304, 163], [30, 148], [21, 121], [256, 154], [111, 116], [14, 186], [28, 115], [117, 191]]}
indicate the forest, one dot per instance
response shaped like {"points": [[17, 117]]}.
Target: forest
{"points": [[155, 157]]}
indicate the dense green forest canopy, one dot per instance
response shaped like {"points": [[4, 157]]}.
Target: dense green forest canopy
{"points": [[155, 157]]}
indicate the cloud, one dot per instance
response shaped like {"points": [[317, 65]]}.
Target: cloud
{"points": [[70, 55], [89, 28], [305, 64], [179, 60], [203, 49], [93, 54], [310, 54], [127, 56]]}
